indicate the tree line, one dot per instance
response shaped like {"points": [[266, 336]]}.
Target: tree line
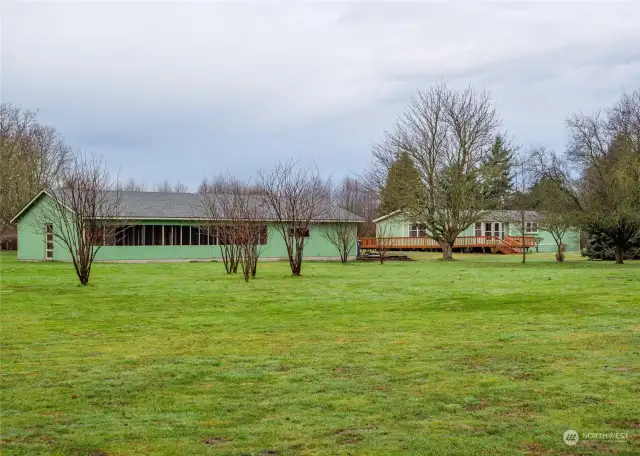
{"points": [[448, 163]]}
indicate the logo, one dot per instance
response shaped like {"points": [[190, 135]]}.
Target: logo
{"points": [[570, 437]]}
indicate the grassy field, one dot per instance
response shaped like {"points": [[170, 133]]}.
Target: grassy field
{"points": [[482, 356]]}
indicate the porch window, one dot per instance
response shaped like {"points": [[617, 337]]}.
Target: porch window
{"points": [[148, 234], [531, 227], [478, 229], [194, 235], [417, 230]]}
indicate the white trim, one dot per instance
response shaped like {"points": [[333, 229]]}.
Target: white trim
{"points": [[391, 214], [40, 193], [27, 205]]}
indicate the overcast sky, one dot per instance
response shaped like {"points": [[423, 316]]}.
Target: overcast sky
{"points": [[172, 91]]}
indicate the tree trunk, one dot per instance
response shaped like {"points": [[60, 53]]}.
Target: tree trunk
{"points": [[522, 243], [254, 268], [447, 250], [296, 265], [619, 254], [83, 275]]}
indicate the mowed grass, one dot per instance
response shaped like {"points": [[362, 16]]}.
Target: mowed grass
{"points": [[482, 356]]}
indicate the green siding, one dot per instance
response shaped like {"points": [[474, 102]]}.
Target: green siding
{"points": [[31, 244], [398, 226], [571, 239]]}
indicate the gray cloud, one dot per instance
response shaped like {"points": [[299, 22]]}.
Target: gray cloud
{"points": [[177, 91]]}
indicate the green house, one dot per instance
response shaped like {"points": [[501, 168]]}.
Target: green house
{"points": [[165, 227], [497, 231]]}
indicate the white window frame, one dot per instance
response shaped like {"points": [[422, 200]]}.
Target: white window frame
{"points": [[49, 241], [530, 227], [417, 232]]}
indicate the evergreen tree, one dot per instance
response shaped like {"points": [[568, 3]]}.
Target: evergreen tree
{"points": [[600, 246], [497, 173], [403, 187]]}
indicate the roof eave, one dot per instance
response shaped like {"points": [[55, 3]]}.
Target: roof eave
{"points": [[386, 216], [28, 205]]}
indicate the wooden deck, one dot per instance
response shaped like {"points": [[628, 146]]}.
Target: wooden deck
{"points": [[510, 244]]}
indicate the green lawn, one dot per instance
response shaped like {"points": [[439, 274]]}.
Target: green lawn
{"points": [[479, 356]]}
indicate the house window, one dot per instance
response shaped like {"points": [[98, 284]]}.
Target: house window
{"points": [[531, 227], [300, 231], [263, 234], [417, 230], [49, 242], [478, 229]]}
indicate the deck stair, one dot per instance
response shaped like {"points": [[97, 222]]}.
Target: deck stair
{"points": [[515, 243]]}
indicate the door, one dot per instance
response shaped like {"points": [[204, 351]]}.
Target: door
{"points": [[494, 229], [48, 255], [488, 229]]}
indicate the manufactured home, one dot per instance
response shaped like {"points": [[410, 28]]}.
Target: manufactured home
{"points": [[496, 232]]}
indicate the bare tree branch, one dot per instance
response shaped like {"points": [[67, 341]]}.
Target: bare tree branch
{"points": [[297, 197], [341, 231], [82, 213], [32, 156], [448, 135]]}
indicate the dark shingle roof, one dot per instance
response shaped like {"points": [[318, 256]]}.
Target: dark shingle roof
{"points": [[159, 205]]}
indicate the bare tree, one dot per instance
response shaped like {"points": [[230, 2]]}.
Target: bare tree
{"points": [[33, 156], [230, 247], [81, 213], [341, 231], [132, 185], [167, 187], [600, 172], [558, 224], [297, 198], [218, 209], [558, 214], [449, 136], [179, 187], [231, 209], [252, 236], [364, 203], [163, 187], [383, 241], [249, 231], [536, 241], [521, 200]]}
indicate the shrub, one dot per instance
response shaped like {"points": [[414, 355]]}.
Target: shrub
{"points": [[601, 247]]}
